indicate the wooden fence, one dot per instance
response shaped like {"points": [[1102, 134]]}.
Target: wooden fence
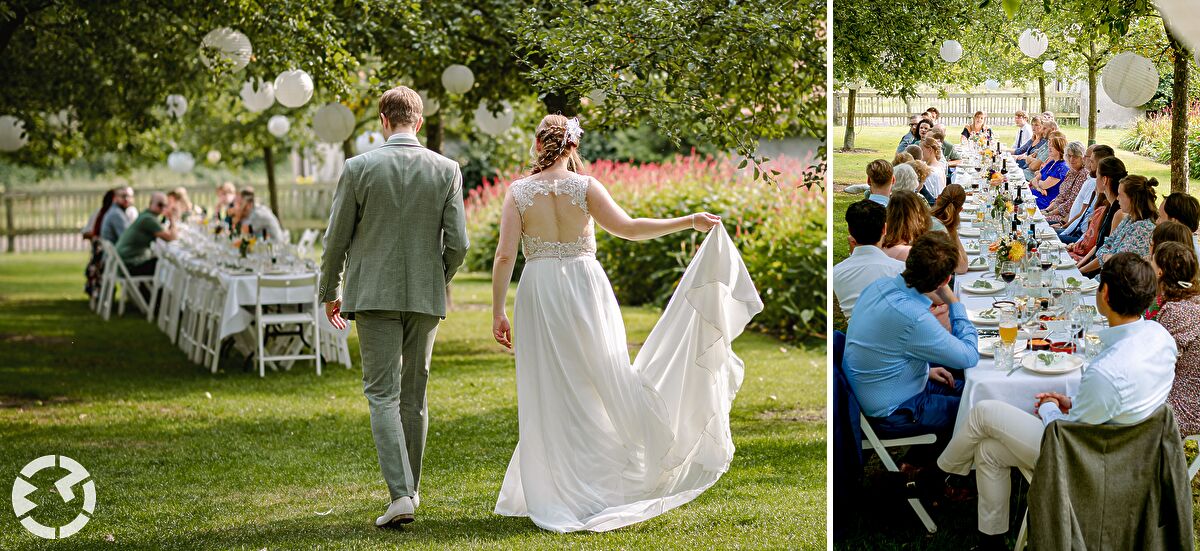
{"points": [[50, 219], [873, 109]]}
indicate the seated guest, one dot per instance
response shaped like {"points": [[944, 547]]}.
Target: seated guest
{"points": [[923, 176], [879, 177], [1041, 153], [226, 201], [948, 152], [1170, 232], [931, 151], [177, 200], [907, 219], [1081, 209], [1125, 384], [866, 262], [1177, 309], [978, 128], [900, 158], [117, 218], [1109, 173], [894, 337], [1058, 210], [1046, 186], [1182, 208], [933, 115], [1087, 242], [904, 179], [913, 133], [1030, 150], [91, 230], [256, 219], [947, 210], [134, 245], [1024, 132], [1137, 197]]}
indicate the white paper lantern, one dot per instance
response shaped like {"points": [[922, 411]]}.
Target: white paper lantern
{"points": [[64, 119], [494, 124], [1049, 66], [12, 133], [951, 51], [213, 156], [1180, 16], [176, 105], [991, 84], [1033, 43], [368, 141], [258, 98], [458, 79], [278, 126], [597, 96], [293, 88], [333, 123], [225, 47], [181, 162], [1130, 80], [429, 105]]}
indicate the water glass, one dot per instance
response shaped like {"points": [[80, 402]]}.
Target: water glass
{"points": [[1003, 355]]}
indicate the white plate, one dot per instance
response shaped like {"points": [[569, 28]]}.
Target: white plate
{"points": [[972, 246], [976, 317], [1063, 363], [977, 264], [1087, 285], [996, 287], [985, 345], [1065, 263], [968, 231], [970, 206], [1042, 234]]}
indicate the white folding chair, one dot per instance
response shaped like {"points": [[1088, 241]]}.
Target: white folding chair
{"points": [[208, 341], [335, 345], [130, 285], [872, 442], [1194, 467], [174, 286], [303, 319], [158, 283], [307, 240], [193, 312]]}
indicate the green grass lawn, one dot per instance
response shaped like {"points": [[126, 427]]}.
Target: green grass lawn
{"points": [[850, 168], [185, 459]]}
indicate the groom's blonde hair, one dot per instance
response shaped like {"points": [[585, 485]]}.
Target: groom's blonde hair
{"points": [[401, 105]]}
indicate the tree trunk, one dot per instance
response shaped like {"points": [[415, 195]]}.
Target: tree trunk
{"points": [[433, 134], [1179, 117], [1042, 92], [848, 141], [269, 159], [348, 147], [562, 104], [1092, 111]]}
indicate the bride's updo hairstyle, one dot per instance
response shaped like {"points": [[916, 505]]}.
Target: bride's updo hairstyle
{"points": [[554, 141]]}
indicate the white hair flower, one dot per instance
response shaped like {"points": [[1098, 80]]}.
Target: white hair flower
{"points": [[574, 132]]}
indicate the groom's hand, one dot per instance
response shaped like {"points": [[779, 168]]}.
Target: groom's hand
{"points": [[333, 310]]}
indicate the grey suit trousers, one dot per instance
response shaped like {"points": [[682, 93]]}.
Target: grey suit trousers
{"points": [[396, 351]]}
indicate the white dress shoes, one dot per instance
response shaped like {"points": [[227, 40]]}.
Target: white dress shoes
{"points": [[399, 512]]}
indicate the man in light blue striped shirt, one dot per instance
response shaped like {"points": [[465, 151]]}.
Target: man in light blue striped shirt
{"points": [[894, 337]]}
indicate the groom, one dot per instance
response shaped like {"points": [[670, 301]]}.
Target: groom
{"points": [[398, 230]]}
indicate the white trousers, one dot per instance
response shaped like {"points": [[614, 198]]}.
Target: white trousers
{"points": [[998, 437]]}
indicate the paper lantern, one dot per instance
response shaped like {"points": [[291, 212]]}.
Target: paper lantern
{"points": [[12, 133], [213, 156], [64, 119], [225, 47], [1130, 80], [1049, 66], [494, 124], [458, 79], [1033, 43], [176, 105], [181, 162], [293, 88], [368, 141], [597, 96], [258, 98], [991, 84], [429, 105], [1180, 17], [951, 51], [278, 125], [333, 123]]}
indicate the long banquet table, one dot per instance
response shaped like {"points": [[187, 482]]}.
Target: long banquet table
{"points": [[985, 381]]}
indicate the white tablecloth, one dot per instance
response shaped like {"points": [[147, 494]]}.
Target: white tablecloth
{"points": [[984, 381]]}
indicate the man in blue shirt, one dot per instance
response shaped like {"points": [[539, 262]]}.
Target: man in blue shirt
{"points": [[894, 337]]}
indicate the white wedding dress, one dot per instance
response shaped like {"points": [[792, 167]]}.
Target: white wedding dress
{"points": [[605, 443]]}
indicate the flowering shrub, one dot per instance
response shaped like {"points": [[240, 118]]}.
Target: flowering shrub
{"points": [[779, 230], [1151, 136]]}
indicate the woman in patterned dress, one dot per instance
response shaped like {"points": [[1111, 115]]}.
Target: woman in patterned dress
{"points": [[1179, 296], [1060, 208], [1139, 201]]}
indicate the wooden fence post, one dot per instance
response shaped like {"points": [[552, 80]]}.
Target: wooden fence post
{"points": [[9, 227]]}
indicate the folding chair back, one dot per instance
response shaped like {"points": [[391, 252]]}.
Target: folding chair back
{"points": [[306, 320]]}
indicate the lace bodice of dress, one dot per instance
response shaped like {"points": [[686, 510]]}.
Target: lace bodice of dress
{"points": [[528, 190]]}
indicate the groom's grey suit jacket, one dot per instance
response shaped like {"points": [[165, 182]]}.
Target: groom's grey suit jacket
{"points": [[398, 230]]}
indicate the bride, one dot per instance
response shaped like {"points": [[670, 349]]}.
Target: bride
{"points": [[605, 443]]}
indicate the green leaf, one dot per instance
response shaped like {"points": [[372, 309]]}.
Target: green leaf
{"points": [[1011, 7]]}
